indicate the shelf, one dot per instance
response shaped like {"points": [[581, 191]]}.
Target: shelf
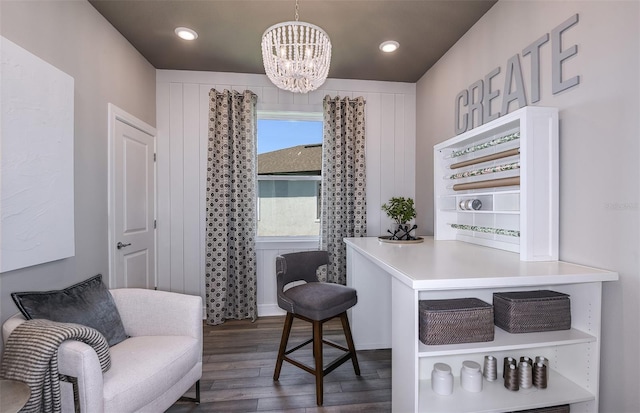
{"points": [[492, 203], [476, 192], [515, 180], [504, 341], [479, 229], [495, 398], [481, 211]]}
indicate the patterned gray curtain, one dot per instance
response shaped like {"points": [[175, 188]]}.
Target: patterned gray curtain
{"points": [[231, 291], [344, 204]]}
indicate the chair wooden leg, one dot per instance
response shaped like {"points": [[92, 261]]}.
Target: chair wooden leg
{"points": [[317, 354], [352, 348], [286, 330], [319, 370]]}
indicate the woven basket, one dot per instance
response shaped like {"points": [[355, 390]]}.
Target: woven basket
{"points": [[551, 409], [460, 320], [530, 311]]}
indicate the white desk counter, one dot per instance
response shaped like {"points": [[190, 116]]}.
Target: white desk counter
{"points": [[392, 278]]}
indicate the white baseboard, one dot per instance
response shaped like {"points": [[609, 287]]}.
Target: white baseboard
{"points": [[266, 310], [372, 346]]}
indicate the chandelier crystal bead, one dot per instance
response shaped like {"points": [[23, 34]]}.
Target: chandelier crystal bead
{"points": [[296, 55]]}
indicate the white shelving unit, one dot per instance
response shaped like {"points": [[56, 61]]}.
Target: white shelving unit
{"points": [[495, 398], [519, 196], [573, 354], [391, 280]]}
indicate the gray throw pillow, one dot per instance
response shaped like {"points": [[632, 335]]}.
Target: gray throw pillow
{"points": [[88, 303]]}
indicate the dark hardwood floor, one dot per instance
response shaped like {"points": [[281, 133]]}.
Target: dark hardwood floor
{"points": [[238, 362]]}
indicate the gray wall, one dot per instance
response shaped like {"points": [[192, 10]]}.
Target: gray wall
{"points": [[599, 148], [75, 38]]}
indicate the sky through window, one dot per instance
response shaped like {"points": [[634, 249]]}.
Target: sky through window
{"points": [[279, 134]]}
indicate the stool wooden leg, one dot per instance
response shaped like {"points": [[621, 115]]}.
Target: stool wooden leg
{"points": [[317, 354], [352, 348], [286, 330]]}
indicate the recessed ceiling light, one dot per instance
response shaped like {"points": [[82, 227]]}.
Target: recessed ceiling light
{"points": [[389, 46], [186, 33]]}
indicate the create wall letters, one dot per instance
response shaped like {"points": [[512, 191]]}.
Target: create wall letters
{"points": [[473, 105]]}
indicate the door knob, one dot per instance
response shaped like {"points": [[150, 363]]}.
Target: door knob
{"points": [[120, 245]]}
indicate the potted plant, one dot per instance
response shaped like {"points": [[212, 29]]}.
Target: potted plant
{"points": [[401, 210]]}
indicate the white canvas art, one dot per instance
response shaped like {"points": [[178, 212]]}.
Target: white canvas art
{"points": [[36, 147]]}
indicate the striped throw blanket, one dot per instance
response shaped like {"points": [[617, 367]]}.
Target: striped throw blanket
{"points": [[31, 356]]}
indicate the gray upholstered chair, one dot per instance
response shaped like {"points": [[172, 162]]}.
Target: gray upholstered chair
{"points": [[317, 303]]}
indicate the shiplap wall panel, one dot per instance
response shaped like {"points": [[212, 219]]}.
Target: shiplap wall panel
{"points": [[176, 185], [409, 133], [182, 109], [373, 166], [299, 98], [269, 95], [203, 141], [285, 97], [266, 258], [316, 96], [163, 190], [267, 298], [192, 240], [399, 142], [390, 168]]}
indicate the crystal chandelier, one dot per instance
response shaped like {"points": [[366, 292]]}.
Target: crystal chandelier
{"points": [[296, 55]]}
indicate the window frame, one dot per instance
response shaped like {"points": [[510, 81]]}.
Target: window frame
{"points": [[312, 116]]}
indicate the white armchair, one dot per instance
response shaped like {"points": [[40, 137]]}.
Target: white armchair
{"points": [[151, 369]]}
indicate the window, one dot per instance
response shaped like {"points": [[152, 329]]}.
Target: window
{"points": [[289, 167]]}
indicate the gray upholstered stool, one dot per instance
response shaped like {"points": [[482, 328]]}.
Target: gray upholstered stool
{"points": [[317, 303]]}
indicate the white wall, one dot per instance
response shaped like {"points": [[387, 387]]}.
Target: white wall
{"points": [[75, 38], [266, 253], [599, 148], [182, 107]]}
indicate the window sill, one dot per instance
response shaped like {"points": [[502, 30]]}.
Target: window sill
{"points": [[299, 242]]}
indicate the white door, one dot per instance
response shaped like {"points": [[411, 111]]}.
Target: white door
{"points": [[133, 191]]}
